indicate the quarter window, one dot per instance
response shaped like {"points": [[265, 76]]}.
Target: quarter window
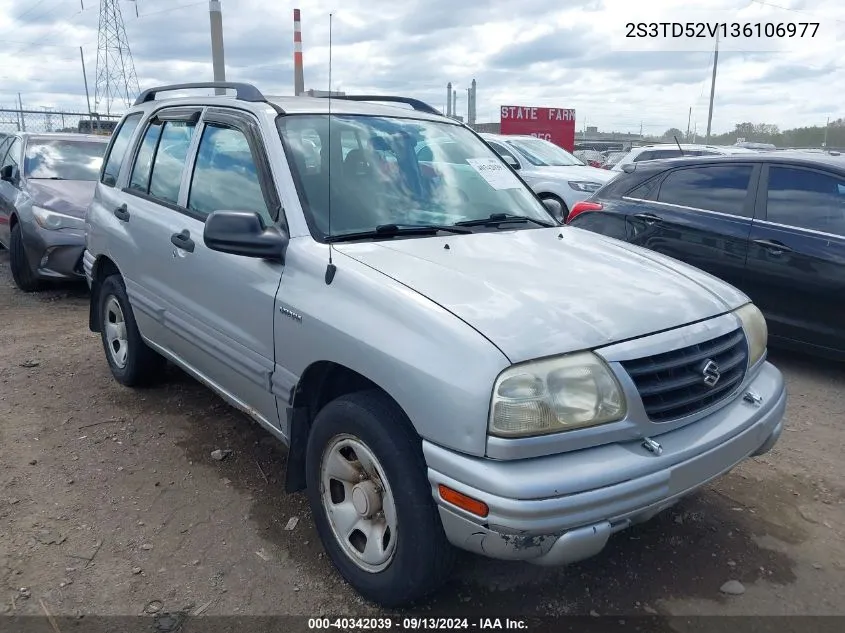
{"points": [[225, 174], [806, 199], [117, 152], [721, 188]]}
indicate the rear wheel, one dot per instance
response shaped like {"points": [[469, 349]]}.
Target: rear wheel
{"points": [[564, 210], [131, 361], [22, 273], [372, 502]]}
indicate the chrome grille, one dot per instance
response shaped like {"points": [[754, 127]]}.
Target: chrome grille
{"points": [[672, 384]]}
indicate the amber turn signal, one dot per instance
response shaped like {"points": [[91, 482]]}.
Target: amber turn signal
{"points": [[473, 506]]}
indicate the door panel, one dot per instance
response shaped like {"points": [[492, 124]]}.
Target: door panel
{"points": [[796, 258], [702, 216], [220, 306]]}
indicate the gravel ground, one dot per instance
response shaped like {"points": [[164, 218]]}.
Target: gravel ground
{"points": [[111, 504]]}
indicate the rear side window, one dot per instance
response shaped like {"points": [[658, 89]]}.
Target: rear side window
{"points": [[806, 199], [170, 160], [721, 188], [117, 151]]}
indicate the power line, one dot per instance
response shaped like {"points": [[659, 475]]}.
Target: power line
{"points": [[782, 8]]}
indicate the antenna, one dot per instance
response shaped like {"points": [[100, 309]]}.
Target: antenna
{"points": [[679, 145], [331, 269]]}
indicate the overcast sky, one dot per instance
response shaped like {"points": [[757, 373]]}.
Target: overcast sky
{"points": [[565, 53]]}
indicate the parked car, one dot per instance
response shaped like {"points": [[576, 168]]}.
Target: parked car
{"points": [[612, 158], [551, 171], [449, 366], [771, 224], [46, 183], [671, 150], [591, 157]]}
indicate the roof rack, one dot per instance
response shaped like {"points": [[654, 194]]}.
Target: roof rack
{"points": [[416, 104], [243, 92]]}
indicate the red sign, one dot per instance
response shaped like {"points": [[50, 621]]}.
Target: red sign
{"points": [[552, 124]]}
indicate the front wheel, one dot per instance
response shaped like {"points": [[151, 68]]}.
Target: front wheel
{"points": [[22, 272], [372, 502]]}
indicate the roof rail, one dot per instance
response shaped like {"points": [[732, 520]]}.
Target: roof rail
{"points": [[416, 104], [243, 92]]}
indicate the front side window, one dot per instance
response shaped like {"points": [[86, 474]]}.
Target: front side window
{"points": [[118, 149], [544, 153], [225, 174], [806, 199], [721, 188], [403, 172], [503, 151], [11, 157]]}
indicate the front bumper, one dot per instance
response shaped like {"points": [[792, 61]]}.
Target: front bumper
{"points": [[527, 523], [54, 254]]}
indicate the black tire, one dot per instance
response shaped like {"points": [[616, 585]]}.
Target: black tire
{"points": [[423, 557], [564, 208], [142, 365], [24, 277]]}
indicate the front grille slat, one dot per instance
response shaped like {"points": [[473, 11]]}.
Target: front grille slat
{"points": [[671, 384]]}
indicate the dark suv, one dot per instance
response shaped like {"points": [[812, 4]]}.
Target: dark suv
{"points": [[771, 224]]}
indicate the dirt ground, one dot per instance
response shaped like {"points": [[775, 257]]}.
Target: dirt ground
{"points": [[111, 504]]}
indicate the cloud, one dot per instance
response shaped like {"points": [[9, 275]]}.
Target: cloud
{"points": [[532, 52]]}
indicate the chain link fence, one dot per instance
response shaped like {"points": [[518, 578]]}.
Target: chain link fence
{"points": [[53, 121]]}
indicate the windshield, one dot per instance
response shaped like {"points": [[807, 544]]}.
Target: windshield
{"points": [[388, 170], [543, 153], [64, 159]]}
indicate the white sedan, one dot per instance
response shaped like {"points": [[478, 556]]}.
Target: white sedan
{"points": [[551, 171]]}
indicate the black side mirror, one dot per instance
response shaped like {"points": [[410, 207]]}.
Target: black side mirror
{"points": [[510, 160], [244, 233], [10, 173], [554, 207]]}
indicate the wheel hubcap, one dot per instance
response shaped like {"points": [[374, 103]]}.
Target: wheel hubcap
{"points": [[115, 330], [359, 503]]}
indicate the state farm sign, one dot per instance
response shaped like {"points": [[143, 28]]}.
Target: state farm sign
{"points": [[552, 124]]}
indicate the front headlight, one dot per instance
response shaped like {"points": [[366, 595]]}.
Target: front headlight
{"points": [[756, 331], [53, 221], [553, 395], [584, 185]]}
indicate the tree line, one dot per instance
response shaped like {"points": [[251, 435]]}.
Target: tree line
{"points": [[767, 133]]}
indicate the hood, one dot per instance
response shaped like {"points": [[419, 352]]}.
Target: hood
{"points": [[71, 197], [572, 172], [539, 292]]}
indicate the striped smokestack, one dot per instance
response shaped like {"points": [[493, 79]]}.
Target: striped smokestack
{"points": [[298, 74]]}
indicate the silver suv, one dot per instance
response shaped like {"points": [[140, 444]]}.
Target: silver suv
{"points": [[448, 365]]}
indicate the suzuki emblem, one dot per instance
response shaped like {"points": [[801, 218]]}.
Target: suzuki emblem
{"points": [[711, 373]]}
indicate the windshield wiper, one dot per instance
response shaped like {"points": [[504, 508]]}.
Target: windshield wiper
{"points": [[391, 230], [495, 219]]}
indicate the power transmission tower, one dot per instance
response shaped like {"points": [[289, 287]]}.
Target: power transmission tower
{"points": [[116, 78]]}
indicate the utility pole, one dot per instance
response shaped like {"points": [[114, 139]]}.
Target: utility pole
{"points": [[689, 118], [641, 129], [826, 126], [85, 79], [712, 87], [23, 119], [215, 14]]}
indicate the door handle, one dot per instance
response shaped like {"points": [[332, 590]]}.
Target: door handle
{"points": [[773, 246], [183, 240], [648, 218], [122, 213]]}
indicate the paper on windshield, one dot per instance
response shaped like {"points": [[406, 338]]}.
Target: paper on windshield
{"points": [[495, 173]]}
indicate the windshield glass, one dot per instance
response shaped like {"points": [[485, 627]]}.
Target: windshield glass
{"points": [[387, 170], [543, 153], [64, 159]]}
